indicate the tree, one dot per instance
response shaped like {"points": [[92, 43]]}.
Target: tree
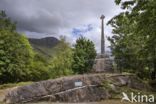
{"points": [[39, 69], [18, 62], [84, 55], [16, 56], [133, 44], [6, 23], [61, 63]]}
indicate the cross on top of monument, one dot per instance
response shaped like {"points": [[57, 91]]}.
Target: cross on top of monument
{"points": [[102, 17]]}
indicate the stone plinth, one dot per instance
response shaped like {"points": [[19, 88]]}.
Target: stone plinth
{"points": [[102, 56], [103, 64]]}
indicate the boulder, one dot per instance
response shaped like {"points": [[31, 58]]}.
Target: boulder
{"points": [[84, 94], [64, 89]]}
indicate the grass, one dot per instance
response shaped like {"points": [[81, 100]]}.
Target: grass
{"points": [[106, 85], [8, 85]]}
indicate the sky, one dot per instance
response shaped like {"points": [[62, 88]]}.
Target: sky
{"points": [[71, 18]]}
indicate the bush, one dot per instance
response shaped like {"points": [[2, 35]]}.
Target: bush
{"points": [[84, 55]]}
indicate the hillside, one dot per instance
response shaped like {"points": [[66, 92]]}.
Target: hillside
{"points": [[44, 45]]}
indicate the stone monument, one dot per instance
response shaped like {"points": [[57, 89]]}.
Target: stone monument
{"points": [[102, 63]]}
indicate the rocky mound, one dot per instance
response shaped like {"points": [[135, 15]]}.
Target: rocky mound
{"points": [[94, 87]]}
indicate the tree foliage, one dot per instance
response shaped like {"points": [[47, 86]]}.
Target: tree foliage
{"points": [[17, 59], [39, 69], [84, 54], [61, 63], [134, 42], [6, 23], [15, 56]]}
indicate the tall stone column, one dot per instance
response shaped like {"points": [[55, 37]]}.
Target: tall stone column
{"points": [[102, 35], [102, 63]]}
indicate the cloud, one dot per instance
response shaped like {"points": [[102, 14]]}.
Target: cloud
{"points": [[41, 18]]}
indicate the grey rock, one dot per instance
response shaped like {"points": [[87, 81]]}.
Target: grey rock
{"points": [[63, 89], [86, 94]]}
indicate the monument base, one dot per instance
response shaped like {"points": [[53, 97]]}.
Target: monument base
{"points": [[103, 64]]}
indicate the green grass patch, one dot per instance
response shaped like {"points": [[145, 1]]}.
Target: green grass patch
{"points": [[106, 85], [8, 85]]}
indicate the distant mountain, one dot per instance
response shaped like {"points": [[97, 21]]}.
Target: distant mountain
{"points": [[48, 42], [44, 45]]}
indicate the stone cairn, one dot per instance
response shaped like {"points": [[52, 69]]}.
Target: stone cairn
{"points": [[102, 62]]}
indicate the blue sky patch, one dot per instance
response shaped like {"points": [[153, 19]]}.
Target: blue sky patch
{"points": [[80, 32]]}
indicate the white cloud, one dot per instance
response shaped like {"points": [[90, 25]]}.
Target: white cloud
{"points": [[41, 18]]}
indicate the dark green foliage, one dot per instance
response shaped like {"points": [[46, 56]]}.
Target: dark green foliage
{"points": [[134, 42], [84, 55]]}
